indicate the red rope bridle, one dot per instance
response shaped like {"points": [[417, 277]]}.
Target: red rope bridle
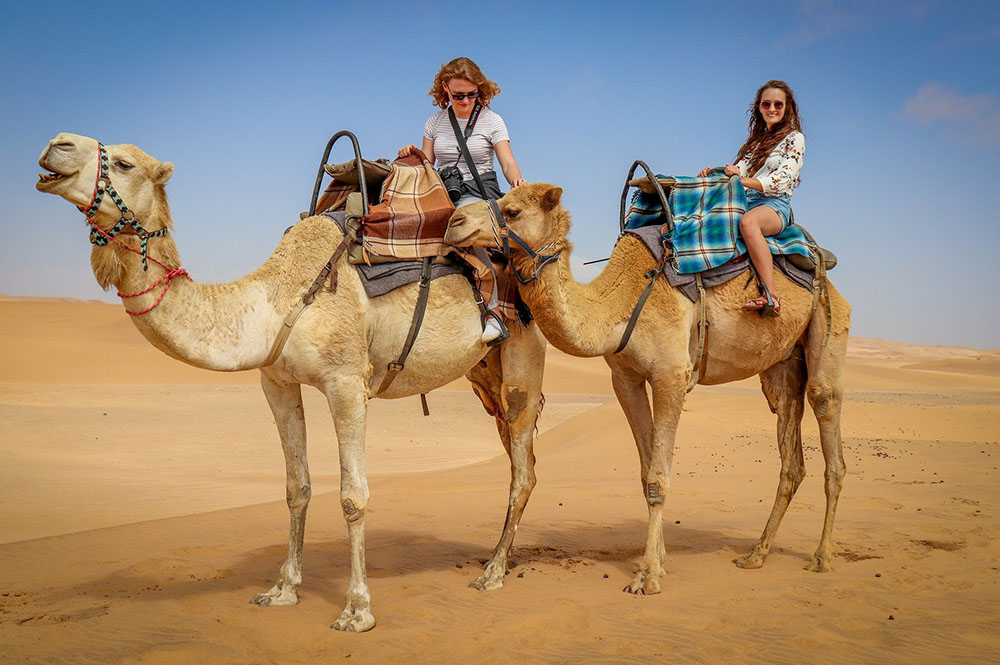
{"points": [[127, 218]]}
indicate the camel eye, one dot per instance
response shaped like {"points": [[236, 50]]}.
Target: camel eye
{"points": [[124, 166], [511, 213]]}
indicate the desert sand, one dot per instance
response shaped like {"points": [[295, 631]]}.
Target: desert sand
{"points": [[142, 507]]}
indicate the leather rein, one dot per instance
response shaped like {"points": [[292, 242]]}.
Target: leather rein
{"points": [[503, 234]]}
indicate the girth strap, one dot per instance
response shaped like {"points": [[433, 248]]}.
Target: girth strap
{"points": [[396, 367], [308, 297], [651, 275], [700, 359]]}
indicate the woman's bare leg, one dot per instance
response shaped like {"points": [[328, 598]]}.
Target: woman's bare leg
{"points": [[754, 226]]}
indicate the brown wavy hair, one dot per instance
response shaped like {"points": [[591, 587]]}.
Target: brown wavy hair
{"points": [[762, 141], [462, 68]]}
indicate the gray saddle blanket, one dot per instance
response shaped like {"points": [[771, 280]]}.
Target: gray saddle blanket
{"points": [[381, 278], [651, 238]]}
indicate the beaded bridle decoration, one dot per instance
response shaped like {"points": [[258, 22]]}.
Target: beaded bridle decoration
{"points": [[100, 237]]}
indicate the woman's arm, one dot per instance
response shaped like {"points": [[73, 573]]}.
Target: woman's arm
{"points": [[782, 179], [508, 164], [427, 148], [752, 183]]}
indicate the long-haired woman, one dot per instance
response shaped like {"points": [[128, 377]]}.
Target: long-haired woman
{"points": [[768, 164]]}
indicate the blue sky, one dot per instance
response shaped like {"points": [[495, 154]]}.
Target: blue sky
{"points": [[900, 104]]}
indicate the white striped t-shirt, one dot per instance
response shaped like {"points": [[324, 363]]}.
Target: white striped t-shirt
{"points": [[489, 130]]}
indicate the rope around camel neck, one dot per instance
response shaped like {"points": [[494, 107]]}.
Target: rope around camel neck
{"points": [[169, 276]]}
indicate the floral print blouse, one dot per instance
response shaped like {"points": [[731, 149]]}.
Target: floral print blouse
{"points": [[780, 173]]}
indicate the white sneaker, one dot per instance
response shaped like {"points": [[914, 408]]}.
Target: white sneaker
{"points": [[491, 329]]}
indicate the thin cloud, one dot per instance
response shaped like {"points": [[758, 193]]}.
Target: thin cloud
{"points": [[823, 19], [975, 117]]}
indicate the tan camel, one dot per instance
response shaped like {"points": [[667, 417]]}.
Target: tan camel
{"points": [[589, 320], [341, 344]]}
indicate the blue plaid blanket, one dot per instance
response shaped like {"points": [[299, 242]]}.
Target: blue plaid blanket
{"points": [[706, 215]]}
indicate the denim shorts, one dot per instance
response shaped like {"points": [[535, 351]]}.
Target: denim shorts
{"points": [[466, 200], [780, 204]]}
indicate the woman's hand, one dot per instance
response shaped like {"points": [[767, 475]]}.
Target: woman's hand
{"points": [[406, 150], [518, 182], [508, 164], [732, 170], [704, 172]]}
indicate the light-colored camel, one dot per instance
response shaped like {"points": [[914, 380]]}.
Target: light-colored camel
{"points": [[341, 344], [588, 320]]}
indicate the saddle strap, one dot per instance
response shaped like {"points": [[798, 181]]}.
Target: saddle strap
{"points": [[700, 358], [396, 367], [651, 275], [308, 297]]}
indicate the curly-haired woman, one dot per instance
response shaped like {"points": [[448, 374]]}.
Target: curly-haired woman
{"points": [[463, 87]]}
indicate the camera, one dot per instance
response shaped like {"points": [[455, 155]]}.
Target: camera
{"points": [[452, 179]]}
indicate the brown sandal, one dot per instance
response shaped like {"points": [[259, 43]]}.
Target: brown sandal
{"points": [[767, 304], [755, 304]]}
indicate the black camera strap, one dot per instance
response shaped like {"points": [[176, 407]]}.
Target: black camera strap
{"points": [[464, 146], [491, 202], [470, 124]]}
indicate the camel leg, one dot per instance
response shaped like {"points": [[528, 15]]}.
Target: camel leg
{"points": [[630, 389], [784, 387], [826, 396], [516, 408], [668, 399], [285, 400], [348, 403]]}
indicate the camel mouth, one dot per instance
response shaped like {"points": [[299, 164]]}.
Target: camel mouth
{"points": [[50, 177], [46, 180]]}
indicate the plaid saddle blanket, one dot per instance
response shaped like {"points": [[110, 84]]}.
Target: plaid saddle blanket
{"points": [[706, 214], [410, 220]]}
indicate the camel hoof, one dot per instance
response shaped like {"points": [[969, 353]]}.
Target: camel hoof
{"points": [[486, 584], [638, 586], [276, 597], [358, 621], [490, 580], [818, 565], [753, 559], [645, 583]]}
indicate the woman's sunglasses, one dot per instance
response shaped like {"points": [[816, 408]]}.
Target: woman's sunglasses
{"points": [[459, 96], [777, 105]]}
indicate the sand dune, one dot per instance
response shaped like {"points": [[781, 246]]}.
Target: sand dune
{"points": [[141, 507]]}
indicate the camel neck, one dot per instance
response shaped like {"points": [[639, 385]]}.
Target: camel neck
{"points": [[223, 327], [588, 320]]}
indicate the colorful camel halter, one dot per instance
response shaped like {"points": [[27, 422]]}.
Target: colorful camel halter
{"points": [[100, 237]]}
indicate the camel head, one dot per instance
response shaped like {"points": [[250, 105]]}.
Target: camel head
{"points": [[533, 212], [73, 164]]}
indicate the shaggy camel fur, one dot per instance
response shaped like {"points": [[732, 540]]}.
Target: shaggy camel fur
{"points": [[588, 320], [341, 344]]}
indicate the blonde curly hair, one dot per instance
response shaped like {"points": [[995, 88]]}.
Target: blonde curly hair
{"points": [[462, 68]]}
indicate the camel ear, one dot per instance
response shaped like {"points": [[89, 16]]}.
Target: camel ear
{"points": [[162, 173], [551, 198]]}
